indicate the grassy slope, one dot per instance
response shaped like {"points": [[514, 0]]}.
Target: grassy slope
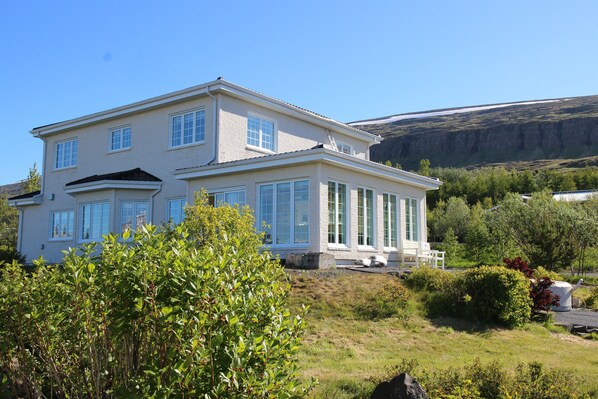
{"points": [[343, 351]]}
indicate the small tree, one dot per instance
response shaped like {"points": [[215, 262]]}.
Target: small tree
{"points": [[477, 237], [424, 167], [34, 180]]}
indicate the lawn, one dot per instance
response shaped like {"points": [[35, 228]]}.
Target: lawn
{"points": [[347, 351]]}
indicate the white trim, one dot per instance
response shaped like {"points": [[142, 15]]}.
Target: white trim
{"points": [[260, 147], [35, 200], [111, 132], [51, 226], [184, 202], [324, 155], [219, 85], [365, 217], [55, 155], [347, 224], [80, 220], [112, 185]]}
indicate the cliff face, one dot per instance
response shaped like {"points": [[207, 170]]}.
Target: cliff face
{"points": [[559, 129]]}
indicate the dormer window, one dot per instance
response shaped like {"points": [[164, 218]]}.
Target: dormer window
{"points": [[260, 132], [344, 148]]}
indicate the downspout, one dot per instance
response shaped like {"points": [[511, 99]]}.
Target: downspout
{"points": [[153, 198], [20, 231], [43, 185], [214, 127]]}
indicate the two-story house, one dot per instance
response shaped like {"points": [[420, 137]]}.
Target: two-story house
{"points": [[307, 177]]}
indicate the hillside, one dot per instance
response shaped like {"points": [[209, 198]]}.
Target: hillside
{"points": [[490, 134]]}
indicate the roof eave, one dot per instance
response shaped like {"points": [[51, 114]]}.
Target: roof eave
{"points": [[112, 185], [316, 155], [26, 201]]}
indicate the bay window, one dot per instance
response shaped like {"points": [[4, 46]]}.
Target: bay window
{"points": [[365, 217], [411, 219], [284, 212], [390, 220], [95, 221], [337, 213]]}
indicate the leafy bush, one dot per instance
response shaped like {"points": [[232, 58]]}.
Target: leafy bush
{"points": [[427, 278], [494, 294], [539, 292], [192, 311], [492, 381], [8, 255], [541, 272], [389, 300]]}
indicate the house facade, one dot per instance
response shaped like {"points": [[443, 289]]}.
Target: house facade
{"points": [[308, 178]]}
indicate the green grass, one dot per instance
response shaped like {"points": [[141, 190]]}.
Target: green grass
{"points": [[348, 354]]}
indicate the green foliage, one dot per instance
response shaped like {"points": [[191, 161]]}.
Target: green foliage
{"points": [[9, 254], [34, 180], [192, 311], [492, 381], [541, 272], [9, 223], [388, 300], [427, 278], [477, 237], [450, 244], [543, 228], [424, 167], [494, 294]]}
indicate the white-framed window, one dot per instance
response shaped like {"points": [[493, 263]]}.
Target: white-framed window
{"points": [[62, 225], [365, 217], [232, 198], [188, 128], [176, 210], [344, 148], [390, 220], [133, 215], [261, 132], [284, 212], [120, 138], [95, 221], [411, 219], [337, 213], [65, 154]]}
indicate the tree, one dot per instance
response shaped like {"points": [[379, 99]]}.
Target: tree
{"points": [[9, 222], [543, 229], [34, 180], [424, 167], [477, 237]]}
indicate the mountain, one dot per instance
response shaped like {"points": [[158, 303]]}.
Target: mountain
{"points": [[565, 128], [11, 190]]}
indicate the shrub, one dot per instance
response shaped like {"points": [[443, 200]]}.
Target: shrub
{"points": [[8, 255], [494, 294], [539, 292], [427, 278], [541, 272], [389, 300], [192, 311]]}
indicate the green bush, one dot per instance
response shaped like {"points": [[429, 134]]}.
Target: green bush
{"points": [[8, 255], [389, 300], [541, 272], [494, 294], [430, 279], [492, 381], [191, 311]]}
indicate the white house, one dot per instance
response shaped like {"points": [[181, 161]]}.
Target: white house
{"points": [[308, 177]]}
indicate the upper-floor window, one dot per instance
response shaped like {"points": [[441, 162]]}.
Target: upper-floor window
{"points": [[120, 139], [188, 128], [344, 148], [95, 221], [176, 210], [411, 219], [62, 225], [260, 132], [65, 154]]}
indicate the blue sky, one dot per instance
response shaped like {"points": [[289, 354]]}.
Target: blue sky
{"points": [[349, 60]]}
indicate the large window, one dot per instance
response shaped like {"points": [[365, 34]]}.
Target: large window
{"points": [[337, 213], [176, 210], [133, 215], [95, 219], [411, 219], [260, 132], [65, 154], [62, 225], [231, 198], [390, 220], [284, 212], [365, 217], [120, 139], [188, 128]]}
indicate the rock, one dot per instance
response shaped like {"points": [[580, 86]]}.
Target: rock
{"points": [[402, 386]]}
